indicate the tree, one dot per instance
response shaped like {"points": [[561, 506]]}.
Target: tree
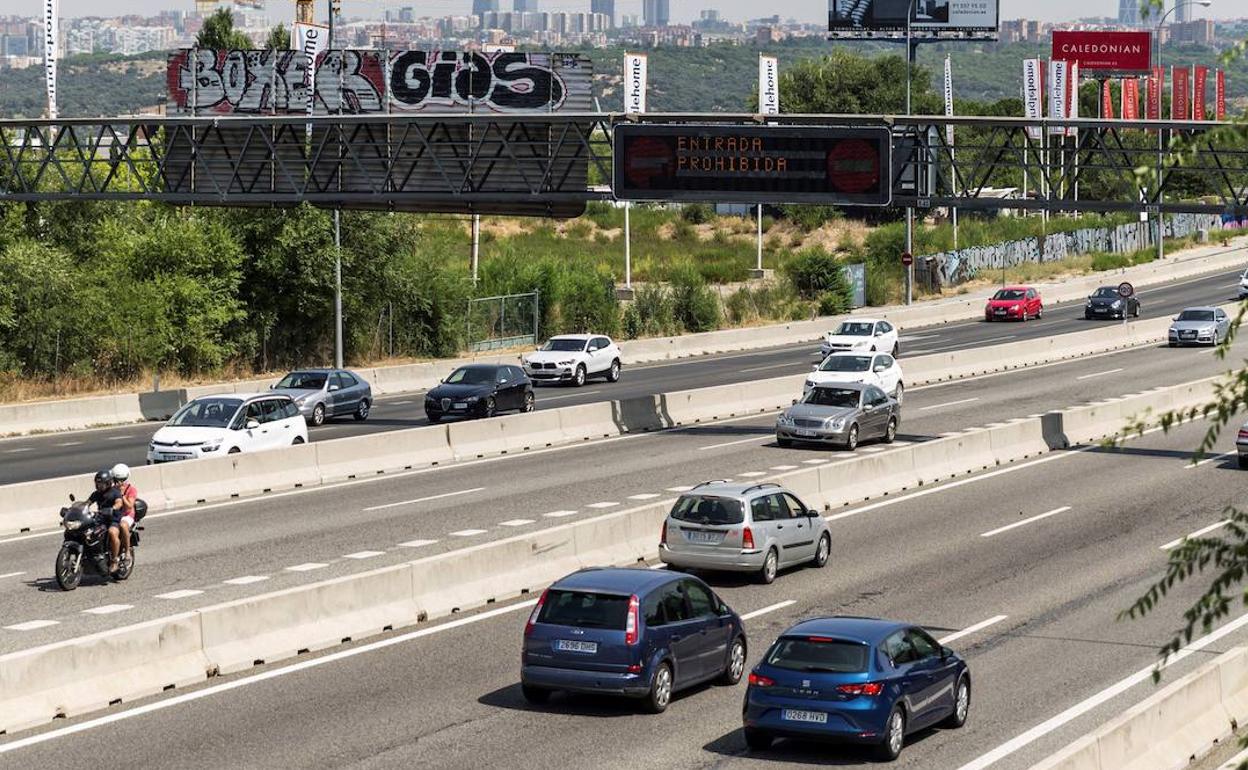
{"points": [[278, 40], [847, 83], [218, 33]]}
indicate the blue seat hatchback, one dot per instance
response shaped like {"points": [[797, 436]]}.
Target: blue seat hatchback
{"points": [[637, 633], [855, 679]]}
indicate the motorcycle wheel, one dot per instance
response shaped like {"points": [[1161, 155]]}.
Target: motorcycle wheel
{"points": [[68, 574], [126, 567]]}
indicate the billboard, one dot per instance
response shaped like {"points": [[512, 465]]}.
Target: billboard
{"points": [[868, 16], [1104, 53], [753, 164]]}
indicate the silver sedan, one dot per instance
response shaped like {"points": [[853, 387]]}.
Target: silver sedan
{"points": [[324, 393], [840, 414], [1199, 326]]}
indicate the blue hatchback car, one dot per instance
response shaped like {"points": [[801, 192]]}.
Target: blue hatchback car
{"points": [[855, 679], [638, 633]]}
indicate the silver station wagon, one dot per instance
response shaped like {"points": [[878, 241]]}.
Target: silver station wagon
{"points": [[759, 528]]}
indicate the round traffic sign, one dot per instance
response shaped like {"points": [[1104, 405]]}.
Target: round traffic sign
{"points": [[854, 166], [1125, 290], [907, 258]]}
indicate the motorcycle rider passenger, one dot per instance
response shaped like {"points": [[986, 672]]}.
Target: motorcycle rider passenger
{"points": [[123, 516]]}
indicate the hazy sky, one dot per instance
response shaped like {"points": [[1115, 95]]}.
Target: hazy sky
{"points": [[682, 10]]}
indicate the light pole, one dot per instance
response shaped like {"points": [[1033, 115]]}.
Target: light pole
{"points": [[338, 363], [910, 209], [1161, 231]]}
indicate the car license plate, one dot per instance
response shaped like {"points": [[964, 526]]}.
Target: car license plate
{"points": [[704, 537], [803, 433], [999, 311], [459, 405], [177, 456], [795, 715], [571, 645]]}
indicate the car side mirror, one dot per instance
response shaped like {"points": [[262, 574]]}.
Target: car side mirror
{"points": [[814, 368], [945, 653], [273, 387], [252, 424], [502, 381], [881, 368], [879, 333], [72, 499], [332, 388], [795, 402]]}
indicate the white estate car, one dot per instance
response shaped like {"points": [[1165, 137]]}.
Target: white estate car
{"points": [[862, 335], [1243, 284], [213, 426], [879, 369], [574, 358]]}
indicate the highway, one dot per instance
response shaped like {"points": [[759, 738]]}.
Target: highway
{"points": [[62, 454], [1029, 600], [207, 554]]}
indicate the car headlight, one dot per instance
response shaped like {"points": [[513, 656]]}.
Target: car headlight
{"points": [[810, 383], [210, 447], [784, 419], [1089, 303], [835, 423], [151, 447], [565, 363], [472, 399], [1015, 307], [1117, 303]]}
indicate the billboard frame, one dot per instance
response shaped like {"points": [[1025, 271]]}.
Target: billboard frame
{"points": [[915, 29], [1093, 71]]}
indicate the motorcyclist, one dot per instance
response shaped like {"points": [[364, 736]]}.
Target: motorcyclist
{"points": [[104, 496], [123, 516]]}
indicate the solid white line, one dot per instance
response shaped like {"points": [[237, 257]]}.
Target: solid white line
{"points": [[559, 514], [1025, 522], [183, 594], [784, 467], [70, 443], [600, 506], [15, 451], [363, 555], [246, 580], [11, 574], [417, 543], [516, 523], [770, 608], [178, 700], [1203, 531], [1213, 459], [1099, 374], [468, 533], [1083, 707], [644, 496], [972, 629], [754, 439], [425, 499], [948, 403], [31, 625], [752, 474], [108, 609]]}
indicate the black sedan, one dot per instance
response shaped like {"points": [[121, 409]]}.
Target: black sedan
{"points": [[480, 390], [1106, 302]]}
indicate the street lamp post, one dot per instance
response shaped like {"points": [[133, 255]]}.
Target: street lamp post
{"points": [[338, 362], [910, 209]]}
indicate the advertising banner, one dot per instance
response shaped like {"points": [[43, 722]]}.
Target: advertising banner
{"points": [[1107, 100], [51, 44], [1072, 95], [1033, 94], [1104, 53], [1219, 96], [1180, 93], [634, 82], [768, 85], [311, 40], [1200, 79], [1153, 108], [948, 100], [928, 15], [1131, 99], [1059, 71]]}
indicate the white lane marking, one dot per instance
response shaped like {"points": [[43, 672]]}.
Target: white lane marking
{"points": [[773, 366], [246, 580], [15, 451], [948, 403], [874, 449], [11, 574], [769, 608], [307, 566], [108, 609], [189, 697], [118, 438], [70, 443], [417, 543], [752, 474], [817, 461], [1208, 460], [516, 523], [560, 514], [679, 489], [1202, 531], [754, 439], [600, 506], [363, 555], [402, 403], [424, 499], [1099, 374], [784, 467], [185, 593], [31, 625], [644, 496], [1024, 522], [1084, 706], [980, 626], [897, 444], [468, 533], [571, 395]]}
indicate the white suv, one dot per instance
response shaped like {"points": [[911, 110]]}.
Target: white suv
{"points": [[574, 358], [212, 426], [862, 335], [879, 369]]}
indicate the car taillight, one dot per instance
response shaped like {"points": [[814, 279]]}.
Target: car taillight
{"points": [[663, 534], [758, 680], [747, 538], [537, 608], [1243, 434], [870, 688], [631, 624]]}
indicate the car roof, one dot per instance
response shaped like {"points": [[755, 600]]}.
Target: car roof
{"points": [[481, 366], [253, 396], [1019, 287], [869, 630], [315, 370], [846, 385], [581, 337], [1210, 308], [862, 319], [617, 580], [734, 489]]}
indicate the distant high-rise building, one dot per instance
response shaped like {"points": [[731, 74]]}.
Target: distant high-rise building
{"points": [[1183, 14], [484, 6], [656, 13], [525, 6], [1129, 12], [605, 7]]}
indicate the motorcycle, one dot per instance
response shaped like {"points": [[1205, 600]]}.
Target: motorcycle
{"points": [[85, 546]]}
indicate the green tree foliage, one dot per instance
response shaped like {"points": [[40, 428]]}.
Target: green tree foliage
{"points": [[844, 82], [278, 39], [218, 33], [818, 275]]}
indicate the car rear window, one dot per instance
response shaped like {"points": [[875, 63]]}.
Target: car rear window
{"points": [[708, 509], [818, 654], [584, 609]]}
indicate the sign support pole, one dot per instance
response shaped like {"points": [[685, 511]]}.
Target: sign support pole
{"points": [[909, 209], [628, 246], [759, 265]]}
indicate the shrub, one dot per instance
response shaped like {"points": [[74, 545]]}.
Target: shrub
{"points": [[808, 218], [651, 314], [1110, 261], [816, 274], [695, 306], [697, 213], [589, 303]]}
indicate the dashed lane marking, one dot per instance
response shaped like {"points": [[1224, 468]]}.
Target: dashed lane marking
{"points": [[185, 593], [417, 543], [468, 533], [516, 523], [363, 555], [108, 609], [246, 580], [32, 625]]}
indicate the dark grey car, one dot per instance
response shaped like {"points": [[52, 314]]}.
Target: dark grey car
{"points": [[841, 414], [1106, 302], [324, 393], [1199, 326]]}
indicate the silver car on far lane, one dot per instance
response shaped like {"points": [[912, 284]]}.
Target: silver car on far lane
{"points": [[324, 393], [841, 414], [1199, 326]]}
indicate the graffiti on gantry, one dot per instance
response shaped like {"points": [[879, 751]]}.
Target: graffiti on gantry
{"points": [[268, 82]]}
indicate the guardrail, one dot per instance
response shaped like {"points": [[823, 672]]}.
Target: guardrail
{"points": [[79, 675]]}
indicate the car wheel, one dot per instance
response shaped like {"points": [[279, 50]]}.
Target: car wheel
{"points": [[894, 736], [736, 663], [1173, 344], [490, 407], [900, 395], [660, 689], [432, 418], [298, 440], [361, 412], [896, 350], [535, 695], [771, 565], [783, 442], [1243, 461], [1136, 313], [613, 374], [233, 450], [1039, 313], [318, 415], [758, 740], [961, 705], [851, 439], [890, 433], [823, 551], [529, 404], [1023, 318], [578, 379]]}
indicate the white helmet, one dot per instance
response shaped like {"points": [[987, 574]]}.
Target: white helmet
{"points": [[121, 472]]}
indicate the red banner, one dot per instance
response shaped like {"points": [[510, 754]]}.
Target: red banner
{"points": [[1198, 93], [1107, 100], [1154, 94], [1104, 53], [1131, 99], [1219, 96], [1180, 93]]}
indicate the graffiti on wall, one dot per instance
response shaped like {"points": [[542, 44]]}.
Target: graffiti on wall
{"points": [[269, 82]]}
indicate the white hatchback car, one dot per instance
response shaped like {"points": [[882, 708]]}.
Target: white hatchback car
{"points": [[213, 426], [1243, 284], [862, 335], [879, 369], [574, 358]]}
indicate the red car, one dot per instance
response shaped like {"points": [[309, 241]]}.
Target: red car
{"points": [[1014, 303]]}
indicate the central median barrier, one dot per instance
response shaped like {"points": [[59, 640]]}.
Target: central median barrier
{"points": [[31, 505], [79, 675]]}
